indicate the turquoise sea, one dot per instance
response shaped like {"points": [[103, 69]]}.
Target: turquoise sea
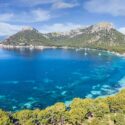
{"points": [[31, 79]]}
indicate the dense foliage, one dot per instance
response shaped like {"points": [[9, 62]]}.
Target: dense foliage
{"points": [[107, 40], [100, 111], [27, 37]]}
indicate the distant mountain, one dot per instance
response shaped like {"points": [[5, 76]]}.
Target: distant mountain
{"points": [[27, 36], [100, 36]]}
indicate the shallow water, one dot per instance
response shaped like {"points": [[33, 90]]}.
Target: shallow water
{"points": [[37, 79]]}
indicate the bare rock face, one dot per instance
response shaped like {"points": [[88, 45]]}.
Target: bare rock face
{"points": [[27, 28], [102, 26]]}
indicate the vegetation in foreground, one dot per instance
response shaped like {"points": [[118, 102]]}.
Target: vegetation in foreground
{"points": [[100, 111]]}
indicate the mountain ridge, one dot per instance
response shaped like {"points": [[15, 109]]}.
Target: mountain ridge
{"points": [[99, 36]]}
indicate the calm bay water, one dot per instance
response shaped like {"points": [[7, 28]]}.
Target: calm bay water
{"points": [[37, 79]]}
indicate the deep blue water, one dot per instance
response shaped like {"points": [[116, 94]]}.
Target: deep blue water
{"points": [[37, 79]]}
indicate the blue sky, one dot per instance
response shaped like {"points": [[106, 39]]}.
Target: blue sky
{"points": [[59, 15]]}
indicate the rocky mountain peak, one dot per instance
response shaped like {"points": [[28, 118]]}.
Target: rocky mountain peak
{"points": [[27, 28], [102, 26]]}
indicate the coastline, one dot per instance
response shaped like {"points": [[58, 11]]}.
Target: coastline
{"points": [[31, 47], [67, 103]]}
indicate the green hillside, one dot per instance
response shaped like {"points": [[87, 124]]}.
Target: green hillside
{"points": [[109, 39], [100, 36], [27, 37]]}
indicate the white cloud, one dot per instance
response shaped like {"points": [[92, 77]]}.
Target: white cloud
{"points": [[37, 15], [56, 4], [37, 2], [63, 5], [122, 30], [34, 13], [8, 29], [112, 7], [58, 27], [6, 16]]}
